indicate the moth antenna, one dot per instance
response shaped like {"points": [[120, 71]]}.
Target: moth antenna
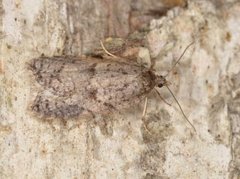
{"points": [[106, 51], [179, 59], [181, 108], [162, 97], [145, 107]]}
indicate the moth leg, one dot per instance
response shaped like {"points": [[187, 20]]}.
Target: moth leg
{"points": [[144, 114], [162, 97], [106, 51], [145, 108], [116, 58]]}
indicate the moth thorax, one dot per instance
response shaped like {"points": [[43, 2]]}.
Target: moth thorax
{"points": [[161, 81]]}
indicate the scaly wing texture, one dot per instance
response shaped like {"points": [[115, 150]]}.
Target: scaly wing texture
{"points": [[75, 86]]}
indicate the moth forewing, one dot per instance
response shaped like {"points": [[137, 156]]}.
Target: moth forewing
{"points": [[94, 86]]}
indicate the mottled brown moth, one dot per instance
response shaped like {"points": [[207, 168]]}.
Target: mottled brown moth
{"points": [[83, 86]]}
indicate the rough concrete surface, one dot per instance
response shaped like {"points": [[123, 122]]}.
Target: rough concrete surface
{"points": [[163, 145]]}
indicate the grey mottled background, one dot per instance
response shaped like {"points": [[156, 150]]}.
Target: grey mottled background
{"points": [[206, 83]]}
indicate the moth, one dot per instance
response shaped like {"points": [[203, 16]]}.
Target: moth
{"points": [[82, 86]]}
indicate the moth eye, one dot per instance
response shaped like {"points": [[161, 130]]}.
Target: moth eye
{"points": [[160, 85]]}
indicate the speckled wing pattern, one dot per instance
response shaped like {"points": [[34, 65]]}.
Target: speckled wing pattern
{"points": [[75, 86]]}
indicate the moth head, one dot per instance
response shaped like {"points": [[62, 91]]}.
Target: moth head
{"points": [[161, 81]]}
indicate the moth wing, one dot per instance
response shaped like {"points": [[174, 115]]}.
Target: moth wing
{"points": [[59, 107], [58, 73], [61, 73]]}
